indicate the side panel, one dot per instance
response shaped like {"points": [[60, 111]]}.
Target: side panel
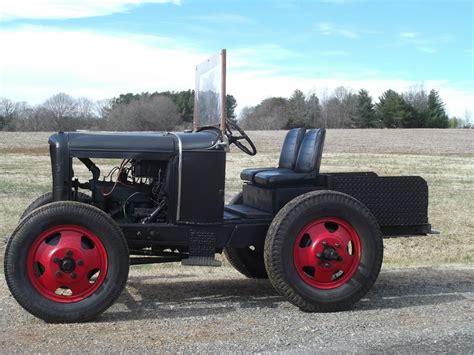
{"points": [[394, 200], [202, 187]]}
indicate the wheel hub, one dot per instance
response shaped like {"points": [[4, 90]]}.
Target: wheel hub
{"points": [[329, 253], [67, 265]]}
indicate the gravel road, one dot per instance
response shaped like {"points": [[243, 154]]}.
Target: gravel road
{"points": [[192, 309]]}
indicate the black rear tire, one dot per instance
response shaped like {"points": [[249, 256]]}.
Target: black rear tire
{"points": [[248, 261], [48, 198], [281, 251], [58, 215]]}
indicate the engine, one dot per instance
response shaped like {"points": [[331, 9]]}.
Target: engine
{"points": [[132, 192]]}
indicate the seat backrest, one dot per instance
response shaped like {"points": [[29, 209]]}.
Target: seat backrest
{"points": [[290, 148], [311, 149]]}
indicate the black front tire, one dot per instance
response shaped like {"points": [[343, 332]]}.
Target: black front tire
{"points": [[63, 214], [248, 261], [48, 198], [280, 251]]}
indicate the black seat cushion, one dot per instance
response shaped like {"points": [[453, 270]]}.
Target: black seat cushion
{"points": [[288, 155], [307, 163], [249, 173], [283, 177]]}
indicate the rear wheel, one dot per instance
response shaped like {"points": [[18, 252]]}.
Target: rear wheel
{"points": [[248, 261], [323, 251], [66, 262]]}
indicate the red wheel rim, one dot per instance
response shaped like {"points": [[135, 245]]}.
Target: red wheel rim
{"points": [[67, 263], [327, 253]]}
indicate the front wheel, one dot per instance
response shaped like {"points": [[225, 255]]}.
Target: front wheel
{"points": [[66, 262], [323, 251], [48, 198]]}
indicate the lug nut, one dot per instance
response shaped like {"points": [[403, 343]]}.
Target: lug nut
{"points": [[56, 259], [337, 245], [73, 276], [318, 255], [69, 252], [326, 264], [325, 244], [80, 262], [58, 274]]}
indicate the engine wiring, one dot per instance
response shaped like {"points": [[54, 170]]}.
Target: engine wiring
{"points": [[126, 201], [124, 174], [117, 180]]}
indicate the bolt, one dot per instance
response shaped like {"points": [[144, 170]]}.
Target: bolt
{"points": [[325, 244], [58, 274], [73, 276], [80, 262], [318, 255], [56, 259], [337, 245], [326, 264], [69, 252]]}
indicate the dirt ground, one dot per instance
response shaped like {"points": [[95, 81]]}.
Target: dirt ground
{"points": [[206, 310]]}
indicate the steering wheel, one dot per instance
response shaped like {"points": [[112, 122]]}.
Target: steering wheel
{"points": [[229, 127]]}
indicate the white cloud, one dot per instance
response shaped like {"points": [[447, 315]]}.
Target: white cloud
{"points": [[408, 34], [425, 49], [101, 66], [90, 64], [224, 18], [329, 29], [66, 9], [333, 53]]}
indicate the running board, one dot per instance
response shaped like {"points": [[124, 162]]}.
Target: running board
{"points": [[201, 261]]}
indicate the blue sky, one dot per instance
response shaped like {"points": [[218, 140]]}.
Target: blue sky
{"points": [[100, 49]]}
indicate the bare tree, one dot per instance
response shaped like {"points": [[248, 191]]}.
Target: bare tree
{"points": [[61, 106], [85, 108], [8, 114], [270, 114], [340, 109], [102, 108], [144, 114]]}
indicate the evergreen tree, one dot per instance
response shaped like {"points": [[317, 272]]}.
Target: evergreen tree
{"points": [[417, 101], [365, 115], [392, 110], [296, 110], [230, 105], [313, 111], [438, 117]]}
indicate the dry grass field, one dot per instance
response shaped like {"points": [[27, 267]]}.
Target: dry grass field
{"points": [[445, 158]]}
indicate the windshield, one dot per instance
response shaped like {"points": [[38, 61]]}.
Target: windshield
{"points": [[208, 97]]}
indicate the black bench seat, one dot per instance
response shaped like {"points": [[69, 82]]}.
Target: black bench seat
{"points": [[307, 164], [288, 155]]}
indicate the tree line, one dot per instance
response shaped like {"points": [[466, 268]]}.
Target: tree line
{"points": [[170, 110], [158, 111], [343, 108]]}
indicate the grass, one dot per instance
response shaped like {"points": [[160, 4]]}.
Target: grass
{"points": [[443, 157]]}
